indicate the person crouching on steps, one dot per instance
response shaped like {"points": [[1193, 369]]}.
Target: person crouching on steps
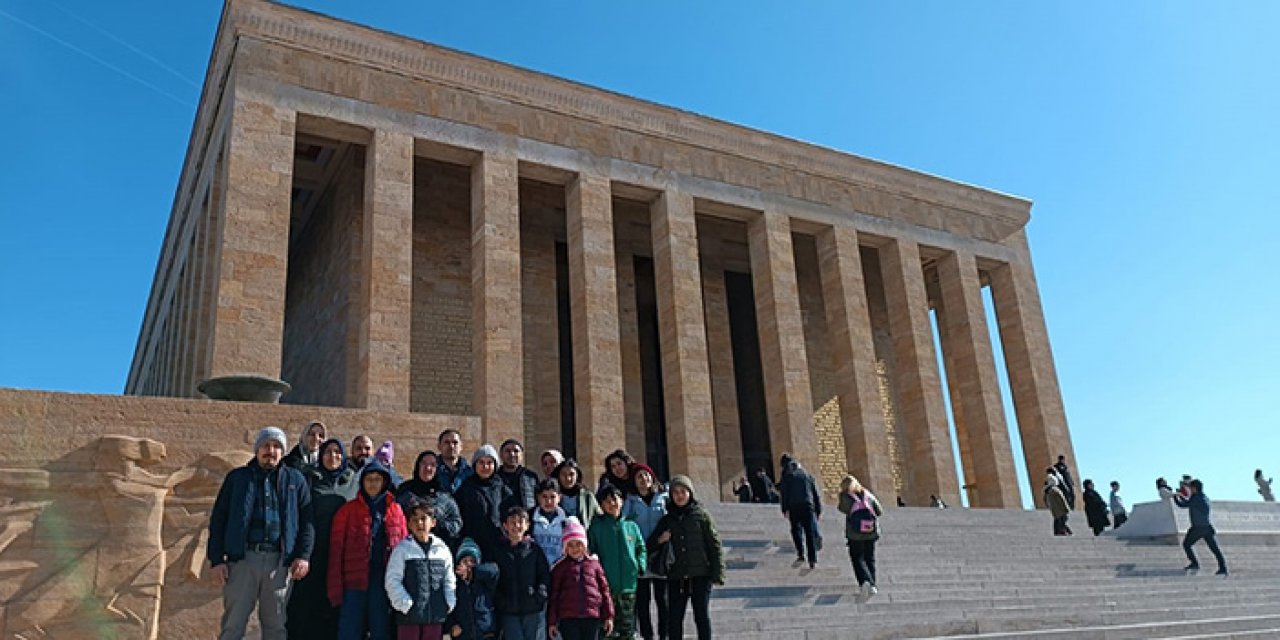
{"points": [[861, 530], [580, 606], [365, 530], [420, 581]]}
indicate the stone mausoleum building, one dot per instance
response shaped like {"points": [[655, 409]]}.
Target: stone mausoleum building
{"points": [[393, 226]]}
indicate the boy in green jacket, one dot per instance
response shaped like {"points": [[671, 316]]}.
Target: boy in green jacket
{"points": [[621, 548]]}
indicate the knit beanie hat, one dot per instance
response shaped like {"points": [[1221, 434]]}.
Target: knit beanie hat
{"points": [[485, 451], [468, 548], [573, 530], [386, 453], [270, 433], [683, 481], [640, 466]]}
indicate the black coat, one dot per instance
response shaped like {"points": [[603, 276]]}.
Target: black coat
{"points": [[482, 503], [698, 553], [797, 489], [473, 612], [1095, 510], [523, 484], [524, 578]]}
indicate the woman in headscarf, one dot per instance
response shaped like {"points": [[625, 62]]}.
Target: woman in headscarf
{"points": [[306, 454], [332, 484]]}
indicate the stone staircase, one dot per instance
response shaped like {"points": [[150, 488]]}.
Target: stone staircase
{"points": [[984, 574]]}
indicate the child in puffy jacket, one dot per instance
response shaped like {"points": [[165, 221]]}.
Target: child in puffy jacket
{"points": [[365, 530], [420, 581], [473, 617], [580, 606]]}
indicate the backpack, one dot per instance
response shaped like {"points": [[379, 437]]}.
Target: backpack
{"points": [[862, 517]]}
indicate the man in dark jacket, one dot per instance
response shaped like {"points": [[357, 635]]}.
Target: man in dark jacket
{"points": [[453, 468], [1201, 526], [802, 505], [522, 482], [260, 537]]}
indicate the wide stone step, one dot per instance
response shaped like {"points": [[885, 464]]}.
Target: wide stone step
{"points": [[1260, 626]]}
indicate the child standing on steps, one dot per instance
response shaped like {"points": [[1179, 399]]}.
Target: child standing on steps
{"points": [[621, 549], [420, 581], [580, 606]]}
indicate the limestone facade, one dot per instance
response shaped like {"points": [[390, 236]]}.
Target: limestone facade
{"points": [[398, 227]]}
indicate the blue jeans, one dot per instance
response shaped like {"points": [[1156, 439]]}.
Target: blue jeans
{"points": [[365, 611], [530, 626]]}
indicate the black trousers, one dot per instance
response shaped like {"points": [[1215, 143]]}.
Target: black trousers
{"points": [[655, 589], [579, 628], [1196, 534], [1119, 519], [804, 532], [679, 592], [862, 554]]}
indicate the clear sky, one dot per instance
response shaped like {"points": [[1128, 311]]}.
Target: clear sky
{"points": [[1146, 134]]}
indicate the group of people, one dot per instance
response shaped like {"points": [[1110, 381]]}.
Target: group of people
{"points": [[328, 544], [1060, 497]]}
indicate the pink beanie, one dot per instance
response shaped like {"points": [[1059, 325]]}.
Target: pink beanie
{"points": [[573, 531]]}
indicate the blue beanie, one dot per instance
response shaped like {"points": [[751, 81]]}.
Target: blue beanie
{"points": [[468, 548], [270, 433]]}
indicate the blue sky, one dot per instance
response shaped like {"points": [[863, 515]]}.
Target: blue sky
{"points": [[1147, 135]]}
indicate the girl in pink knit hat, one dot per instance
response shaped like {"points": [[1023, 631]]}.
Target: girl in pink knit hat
{"points": [[580, 606]]}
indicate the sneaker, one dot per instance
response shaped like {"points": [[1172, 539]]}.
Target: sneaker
{"points": [[872, 591]]}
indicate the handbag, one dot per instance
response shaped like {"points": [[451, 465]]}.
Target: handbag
{"points": [[661, 559]]}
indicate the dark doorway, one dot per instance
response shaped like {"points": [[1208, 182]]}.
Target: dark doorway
{"points": [[568, 428], [655, 420], [748, 373]]}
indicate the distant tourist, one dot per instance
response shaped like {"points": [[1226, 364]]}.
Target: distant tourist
{"points": [[1068, 484], [306, 454], [762, 488], [901, 502], [802, 506], [453, 468], [1095, 509], [549, 460], [361, 452], [1057, 504], [1165, 491], [936, 502], [1264, 486], [262, 524], [1184, 485], [861, 531], [742, 489], [1201, 526], [698, 562], [1118, 512]]}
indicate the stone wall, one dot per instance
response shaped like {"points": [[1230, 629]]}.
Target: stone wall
{"points": [[104, 501]]}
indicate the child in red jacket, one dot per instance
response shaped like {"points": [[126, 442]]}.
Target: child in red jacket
{"points": [[580, 601], [372, 521]]}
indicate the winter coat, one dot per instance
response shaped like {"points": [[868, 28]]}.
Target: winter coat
{"points": [[587, 508], [698, 553], [621, 550], [448, 516], [309, 613], [296, 459], [579, 589], [351, 544], [1095, 509], [482, 503], [420, 581], [1199, 507], [645, 514], [523, 484], [450, 479], [1068, 483], [524, 578], [233, 510], [848, 504], [474, 612], [546, 532], [798, 490], [1056, 502]]}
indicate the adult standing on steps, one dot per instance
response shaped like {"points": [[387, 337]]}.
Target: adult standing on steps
{"points": [[802, 505], [1095, 509], [1201, 526], [699, 558], [1118, 511], [1264, 486], [453, 468], [1068, 483], [861, 531], [1057, 504]]}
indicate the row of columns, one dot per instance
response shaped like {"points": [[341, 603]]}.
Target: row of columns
{"points": [[251, 306]]}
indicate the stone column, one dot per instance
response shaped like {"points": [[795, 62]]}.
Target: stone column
{"points": [[724, 392], [249, 326], [788, 397], [853, 354], [922, 413], [386, 274], [593, 304], [686, 380], [1033, 379], [971, 372], [497, 344]]}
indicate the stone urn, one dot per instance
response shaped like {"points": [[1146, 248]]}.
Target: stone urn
{"points": [[245, 388]]}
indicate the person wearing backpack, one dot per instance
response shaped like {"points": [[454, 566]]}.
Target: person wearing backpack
{"points": [[862, 528]]}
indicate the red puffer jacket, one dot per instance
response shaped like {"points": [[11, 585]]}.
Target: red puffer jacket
{"points": [[350, 542], [579, 590]]}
